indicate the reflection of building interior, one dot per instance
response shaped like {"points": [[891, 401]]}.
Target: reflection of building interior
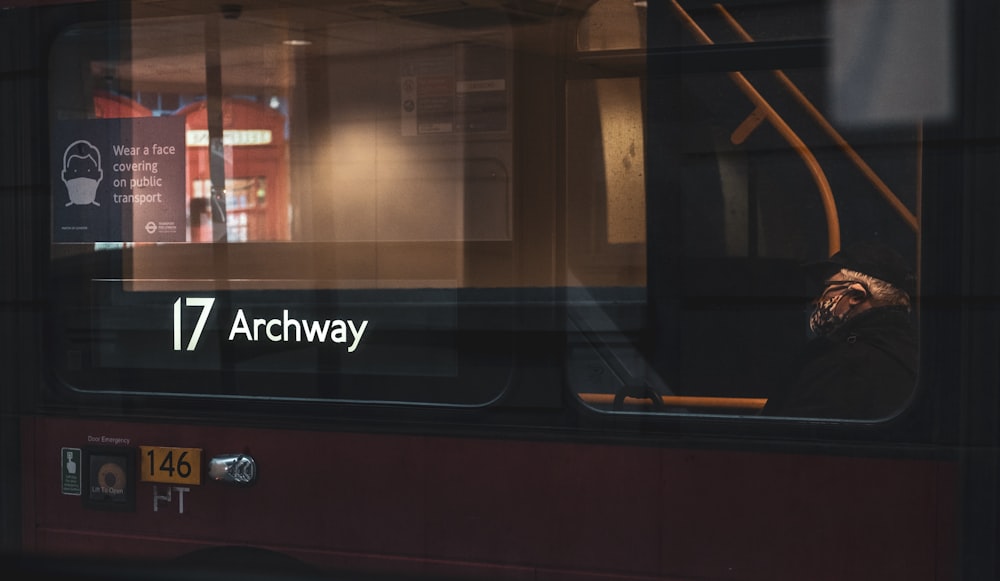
{"points": [[246, 203]]}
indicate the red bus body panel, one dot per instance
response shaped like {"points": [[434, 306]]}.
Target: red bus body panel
{"points": [[509, 509]]}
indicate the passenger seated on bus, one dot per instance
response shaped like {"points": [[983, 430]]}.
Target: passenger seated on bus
{"points": [[862, 364]]}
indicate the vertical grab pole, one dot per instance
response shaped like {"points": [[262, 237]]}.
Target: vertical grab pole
{"points": [[216, 147]]}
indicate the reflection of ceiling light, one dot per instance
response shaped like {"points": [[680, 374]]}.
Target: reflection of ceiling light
{"points": [[297, 42]]}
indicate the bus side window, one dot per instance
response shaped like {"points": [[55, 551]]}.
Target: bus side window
{"points": [[687, 257]]}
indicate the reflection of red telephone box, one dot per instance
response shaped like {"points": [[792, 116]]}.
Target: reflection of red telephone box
{"points": [[112, 106], [256, 171]]}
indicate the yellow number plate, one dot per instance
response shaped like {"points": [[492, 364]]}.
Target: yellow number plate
{"points": [[170, 465]]}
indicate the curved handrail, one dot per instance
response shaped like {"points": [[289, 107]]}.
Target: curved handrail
{"points": [[765, 110], [854, 156]]}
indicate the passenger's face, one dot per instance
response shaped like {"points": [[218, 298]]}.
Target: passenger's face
{"points": [[841, 299], [850, 293]]}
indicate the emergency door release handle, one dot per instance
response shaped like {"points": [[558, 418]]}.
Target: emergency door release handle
{"points": [[239, 469]]}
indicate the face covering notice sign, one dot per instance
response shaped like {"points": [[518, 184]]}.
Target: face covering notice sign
{"points": [[119, 180]]}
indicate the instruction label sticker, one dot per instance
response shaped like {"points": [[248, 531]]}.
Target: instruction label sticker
{"points": [[71, 460], [119, 180]]}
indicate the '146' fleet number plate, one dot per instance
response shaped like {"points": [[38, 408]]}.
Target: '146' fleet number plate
{"points": [[170, 465]]}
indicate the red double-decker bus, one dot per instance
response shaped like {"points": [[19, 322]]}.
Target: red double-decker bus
{"points": [[497, 289]]}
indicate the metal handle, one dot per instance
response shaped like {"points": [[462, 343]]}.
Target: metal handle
{"points": [[239, 469]]}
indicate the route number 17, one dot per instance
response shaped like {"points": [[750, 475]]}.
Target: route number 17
{"points": [[205, 304]]}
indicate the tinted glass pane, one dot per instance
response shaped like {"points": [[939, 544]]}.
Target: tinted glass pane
{"points": [[291, 203], [700, 192]]}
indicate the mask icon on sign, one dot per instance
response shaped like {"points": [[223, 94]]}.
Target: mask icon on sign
{"points": [[82, 173]]}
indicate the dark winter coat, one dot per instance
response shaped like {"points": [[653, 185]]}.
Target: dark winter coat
{"points": [[866, 369]]}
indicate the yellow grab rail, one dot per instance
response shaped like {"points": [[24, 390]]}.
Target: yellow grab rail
{"points": [[869, 173], [754, 404], [764, 110]]}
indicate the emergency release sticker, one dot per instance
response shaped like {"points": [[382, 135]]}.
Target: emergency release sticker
{"points": [[72, 464], [109, 479], [119, 180]]}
